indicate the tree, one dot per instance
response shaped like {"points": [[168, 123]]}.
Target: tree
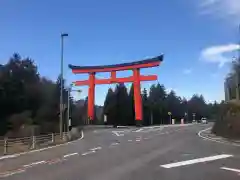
{"points": [[174, 105], [122, 105], [197, 106], [146, 108], [108, 108], [157, 100], [131, 106]]}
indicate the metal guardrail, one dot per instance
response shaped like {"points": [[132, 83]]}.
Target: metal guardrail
{"points": [[17, 145]]}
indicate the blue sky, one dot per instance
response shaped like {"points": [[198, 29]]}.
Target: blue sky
{"points": [[198, 39]]}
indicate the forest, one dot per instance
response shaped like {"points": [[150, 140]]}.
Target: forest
{"points": [[30, 101]]}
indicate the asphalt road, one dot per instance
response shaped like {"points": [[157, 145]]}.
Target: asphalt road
{"points": [[166, 153]]}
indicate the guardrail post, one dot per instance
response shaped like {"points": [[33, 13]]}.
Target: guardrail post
{"points": [[5, 145], [53, 138], [64, 136], [34, 142]]}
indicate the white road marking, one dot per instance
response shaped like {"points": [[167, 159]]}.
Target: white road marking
{"points": [[129, 140], [55, 161], [113, 144], [150, 127], [194, 161], [35, 163], [8, 156], [67, 155], [116, 133], [12, 173], [138, 140], [145, 138], [139, 130], [231, 169], [82, 135], [96, 148], [214, 140], [89, 152], [121, 126]]}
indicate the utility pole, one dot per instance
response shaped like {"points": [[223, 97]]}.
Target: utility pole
{"points": [[68, 112], [237, 59], [61, 88]]}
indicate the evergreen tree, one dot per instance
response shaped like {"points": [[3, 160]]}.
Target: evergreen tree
{"points": [[122, 105], [146, 108], [131, 106], [109, 106]]}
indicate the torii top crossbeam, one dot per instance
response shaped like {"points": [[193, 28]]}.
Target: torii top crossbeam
{"points": [[136, 79], [152, 62]]}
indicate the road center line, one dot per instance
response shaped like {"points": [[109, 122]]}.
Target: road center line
{"points": [[89, 152], [67, 155], [194, 161], [54, 161], [231, 169], [35, 163]]}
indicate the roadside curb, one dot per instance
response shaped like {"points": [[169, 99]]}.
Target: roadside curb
{"points": [[218, 139], [42, 149]]}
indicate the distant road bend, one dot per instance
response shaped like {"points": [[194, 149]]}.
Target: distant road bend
{"points": [[147, 153]]}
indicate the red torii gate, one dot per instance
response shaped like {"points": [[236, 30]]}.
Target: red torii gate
{"points": [[136, 78]]}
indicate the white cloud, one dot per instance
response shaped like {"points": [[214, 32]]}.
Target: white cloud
{"points": [[222, 8], [187, 71], [217, 54]]}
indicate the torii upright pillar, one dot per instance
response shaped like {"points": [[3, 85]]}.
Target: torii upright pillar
{"points": [[136, 78], [91, 96]]}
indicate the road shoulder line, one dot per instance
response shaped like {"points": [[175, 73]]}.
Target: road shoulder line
{"points": [[214, 140]]}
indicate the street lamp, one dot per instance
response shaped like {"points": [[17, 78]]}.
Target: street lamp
{"points": [[61, 84]]}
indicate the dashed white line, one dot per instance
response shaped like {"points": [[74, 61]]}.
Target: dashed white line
{"points": [[89, 152], [34, 163], [138, 140], [194, 161], [231, 169], [130, 140], [67, 155], [55, 161], [96, 148]]}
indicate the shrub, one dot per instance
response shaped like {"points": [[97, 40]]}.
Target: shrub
{"points": [[228, 121]]}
